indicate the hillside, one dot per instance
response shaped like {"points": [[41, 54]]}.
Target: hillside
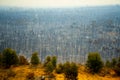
{"points": [[22, 71], [68, 33]]}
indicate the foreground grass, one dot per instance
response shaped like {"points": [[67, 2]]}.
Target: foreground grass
{"points": [[84, 75], [22, 71]]}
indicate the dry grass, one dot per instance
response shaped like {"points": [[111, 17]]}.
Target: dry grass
{"points": [[22, 71], [83, 75]]}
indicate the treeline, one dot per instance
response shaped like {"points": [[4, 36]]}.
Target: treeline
{"points": [[114, 64], [9, 58], [94, 63]]}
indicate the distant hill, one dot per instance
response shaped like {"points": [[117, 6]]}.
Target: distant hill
{"points": [[69, 33]]}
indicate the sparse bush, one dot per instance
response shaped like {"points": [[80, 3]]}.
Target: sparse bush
{"points": [[30, 76], [9, 58], [50, 64], [49, 68], [0, 60], [113, 62], [54, 61], [117, 67], [47, 60], [108, 64], [70, 71], [94, 62], [59, 68], [23, 60], [74, 70], [35, 59]]}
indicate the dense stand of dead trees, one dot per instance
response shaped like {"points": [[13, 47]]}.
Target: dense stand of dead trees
{"points": [[67, 43]]}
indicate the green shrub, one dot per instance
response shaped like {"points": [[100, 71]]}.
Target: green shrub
{"points": [[23, 60], [49, 67], [59, 69], [47, 60], [117, 67], [108, 64], [0, 60], [94, 62], [54, 61], [50, 63], [35, 59], [113, 62], [70, 71], [9, 58]]}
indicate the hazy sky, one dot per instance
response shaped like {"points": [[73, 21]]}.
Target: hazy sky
{"points": [[57, 3]]}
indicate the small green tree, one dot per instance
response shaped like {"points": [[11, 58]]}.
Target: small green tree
{"points": [[117, 67], [49, 67], [74, 71], [70, 71], [113, 62], [47, 60], [9, 58], [54, 61], [50, 63], [59, 68], [35, 59], [108, 64], [23, 60], [67, 70], [0, 60], [94, 62]]}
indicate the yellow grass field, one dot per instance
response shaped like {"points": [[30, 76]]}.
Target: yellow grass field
{"points": [[22, 71]]}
